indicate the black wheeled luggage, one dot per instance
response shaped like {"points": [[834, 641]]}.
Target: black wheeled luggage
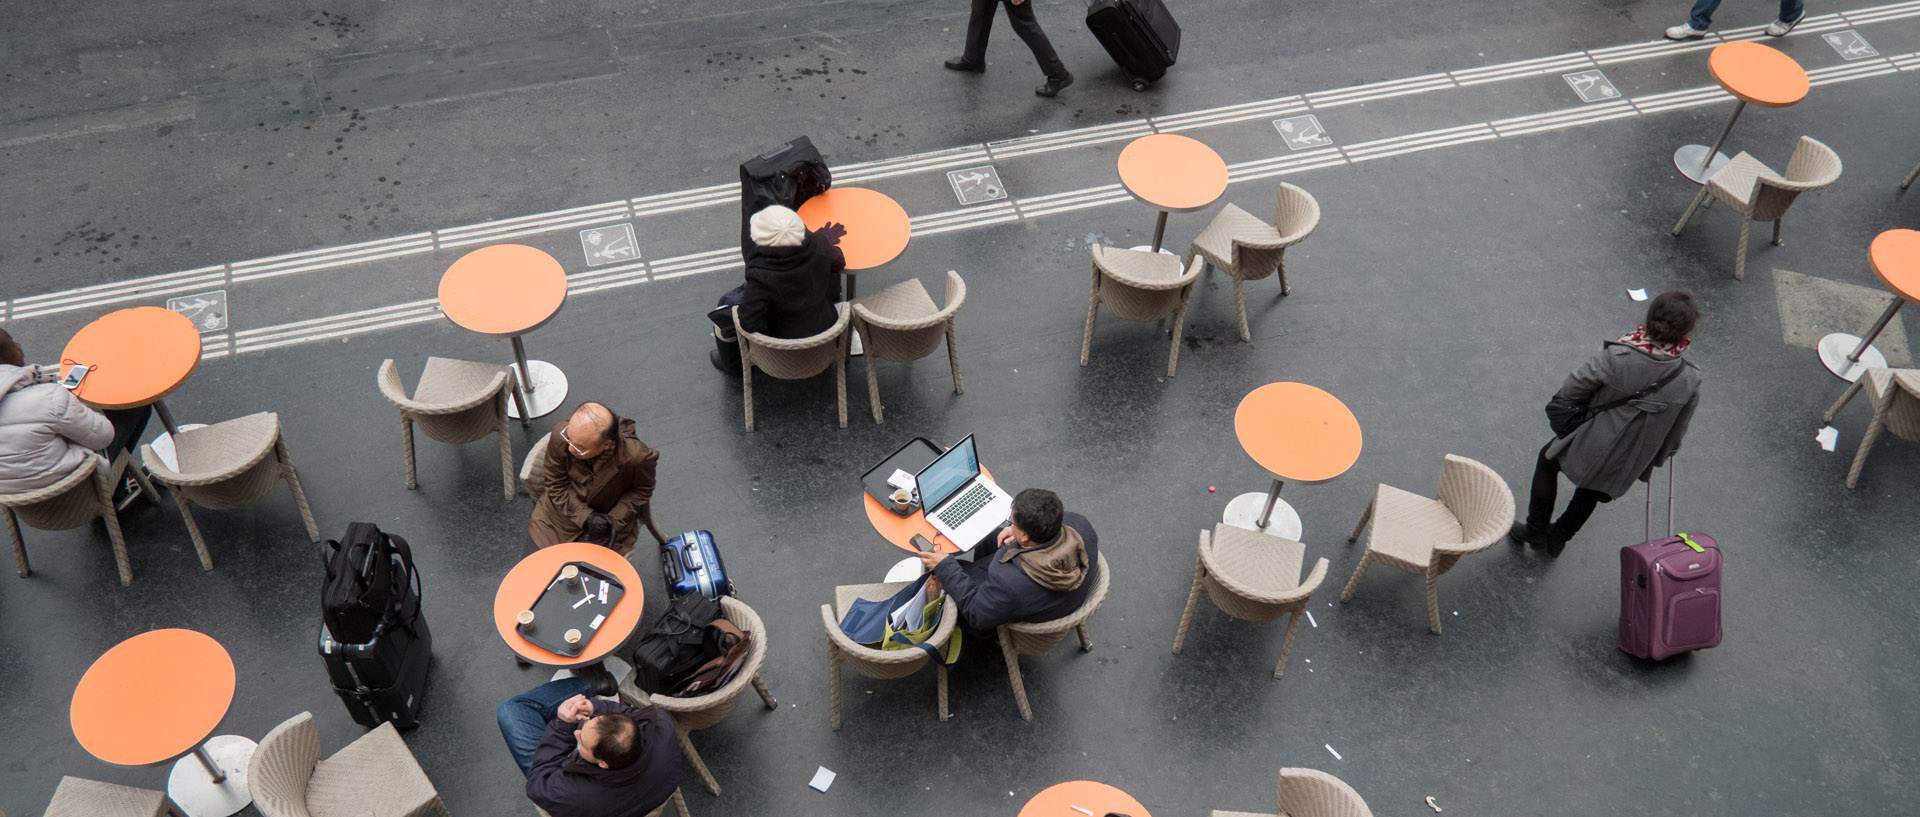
{"points": [[373, 636], [1140, 35], [787, 175], [384, 679]]}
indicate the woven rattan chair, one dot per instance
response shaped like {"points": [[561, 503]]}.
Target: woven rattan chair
{"points": [[1421, 535], [375, 774], [877, 663], [1139, 286], [902, 323], [1310, 793], [797, 359], [1251, 576], [79, 797], [1895, 395], [533, 475], [1033, 638], [78, 498], [229, 465], [706, 710], [1241, 245], [1758, 194], [455, 402]]}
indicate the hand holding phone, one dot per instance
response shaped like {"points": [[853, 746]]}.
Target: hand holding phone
{"points": [[922, 543]]}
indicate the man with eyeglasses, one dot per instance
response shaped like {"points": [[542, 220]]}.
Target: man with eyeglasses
{"points": [[599, 482]]}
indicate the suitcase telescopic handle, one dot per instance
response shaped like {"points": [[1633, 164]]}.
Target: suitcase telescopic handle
{"points": [[1647, 530]]}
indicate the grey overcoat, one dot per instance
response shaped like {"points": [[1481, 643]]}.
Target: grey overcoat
{"points": [[1608, 452]]}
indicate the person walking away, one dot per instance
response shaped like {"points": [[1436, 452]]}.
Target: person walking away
{"points": [[1640, 395], [1791, 13], [1025, 24]]}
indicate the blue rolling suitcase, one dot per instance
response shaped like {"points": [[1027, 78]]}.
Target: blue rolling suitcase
{"points": [[692, 564]]}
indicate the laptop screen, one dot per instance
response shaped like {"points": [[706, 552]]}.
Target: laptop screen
{"points": [[939, 481]]}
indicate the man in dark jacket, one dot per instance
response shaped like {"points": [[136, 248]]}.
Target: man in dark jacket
{"points": [[599, 482], [1635, 434], [590, 757], [1037, 567]]}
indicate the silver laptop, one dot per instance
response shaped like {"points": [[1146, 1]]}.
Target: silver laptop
{"points": [[962, 503]]}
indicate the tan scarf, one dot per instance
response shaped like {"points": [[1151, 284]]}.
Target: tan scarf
{"points": [[1059, 565]]}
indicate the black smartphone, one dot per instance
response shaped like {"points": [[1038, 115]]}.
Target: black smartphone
{"points": [[922, 543]]}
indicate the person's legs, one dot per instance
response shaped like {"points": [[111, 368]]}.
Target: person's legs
{"points": [[1578, 509], [1702, 14], [523, 718], [1546, 489], [1027, 26], [128, 425], [979, 26]]}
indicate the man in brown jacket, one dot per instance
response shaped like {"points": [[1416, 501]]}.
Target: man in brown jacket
{"points": [[599, 482]]}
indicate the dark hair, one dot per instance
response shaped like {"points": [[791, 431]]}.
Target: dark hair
{"points": [[1671, 317], [1038, 511], [10, 353], [615, 743]]}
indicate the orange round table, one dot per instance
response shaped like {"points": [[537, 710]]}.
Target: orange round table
{"points": [[156, 697], [900, 530], [528, 579], [137, 357], [1080, 798], [1895, 255], [1171, 172], [1753, 73], [508, 290], [1297, 432], [877, 227]]}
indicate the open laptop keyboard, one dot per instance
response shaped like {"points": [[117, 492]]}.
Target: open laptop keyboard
{"points": [[957, 511]]}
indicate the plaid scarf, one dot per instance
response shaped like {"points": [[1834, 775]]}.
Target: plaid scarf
{"points": [[1638, 339]]}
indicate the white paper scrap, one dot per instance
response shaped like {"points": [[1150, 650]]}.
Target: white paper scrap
{"points": [[1637, 294], [822, 779], [1827, 437], [901, 479], [583, 600], [1316, 624], [603, 592], [596, 622], [1336, 755]]}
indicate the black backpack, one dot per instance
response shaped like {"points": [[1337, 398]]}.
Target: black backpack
{"points": [[675, 646], [361, 588]]}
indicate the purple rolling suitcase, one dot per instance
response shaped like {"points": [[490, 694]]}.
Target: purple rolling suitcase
{"points": [[1669, 590]]}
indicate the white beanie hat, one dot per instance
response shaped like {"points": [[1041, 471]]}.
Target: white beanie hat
{"points": [[777, 226]]}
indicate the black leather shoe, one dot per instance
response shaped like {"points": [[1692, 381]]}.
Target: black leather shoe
{"points": [[722, 362], [600, 682], [964, 64], [1053, 85]]}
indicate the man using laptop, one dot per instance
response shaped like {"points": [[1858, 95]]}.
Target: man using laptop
{"points": [[1034, 568]]}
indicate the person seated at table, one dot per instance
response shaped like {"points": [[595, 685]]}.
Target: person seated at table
{"points": [[46, 432], [792, 286], [599, 481], [590, 757], [1034, 568]]}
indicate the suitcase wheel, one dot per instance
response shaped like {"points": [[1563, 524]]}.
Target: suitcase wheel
{"points": [[1140, 84]]}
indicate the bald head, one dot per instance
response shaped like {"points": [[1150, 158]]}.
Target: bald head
{"points": [[590, 431]]}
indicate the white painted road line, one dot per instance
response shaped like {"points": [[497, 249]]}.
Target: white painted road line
{"points": [[935, 160], [1379, 90], [1525, 68], [92, 297], [1571, 117], [295, 263], [1078, 137]]}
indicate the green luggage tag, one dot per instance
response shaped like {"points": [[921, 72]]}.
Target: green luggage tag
{"points": [[1692, 544]]}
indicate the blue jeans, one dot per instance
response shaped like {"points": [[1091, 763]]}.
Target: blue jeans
{"points": [[1703, 12], [523, 718]]}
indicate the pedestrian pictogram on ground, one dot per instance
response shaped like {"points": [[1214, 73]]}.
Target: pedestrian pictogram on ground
{"points": [[605, 245], [207, 310], [1302, 132], [977, 185], [1592, 86], [1850, 44]]}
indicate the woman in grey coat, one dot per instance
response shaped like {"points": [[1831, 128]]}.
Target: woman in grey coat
{"points": [[1605, 454]]}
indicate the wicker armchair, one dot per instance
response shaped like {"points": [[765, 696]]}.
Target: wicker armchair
{"points": [[1420, 535], [375, 774], [877, 663], [78, 797], [1139, 286], [533, 475], [706, 710], [1241, 245], [455, 402], [1758, 194], [229, 465], [1253, 577], [797, 359], [901, 323], [1895, 395], [1033, 638], [1310, 793], [78, 498]]}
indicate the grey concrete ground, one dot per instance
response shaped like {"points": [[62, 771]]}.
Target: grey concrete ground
{"points": [[1445, 294]]}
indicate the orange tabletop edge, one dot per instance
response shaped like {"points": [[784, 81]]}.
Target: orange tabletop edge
{"points": [[1298, 432], [1759, 74], [152, 697], [1059, 800], [138, 355], [525, 582], [504, 289], [1896, 260], [877, 226]]}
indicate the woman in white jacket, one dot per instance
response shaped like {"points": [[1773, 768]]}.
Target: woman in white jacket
{"points": [[46, 432]]}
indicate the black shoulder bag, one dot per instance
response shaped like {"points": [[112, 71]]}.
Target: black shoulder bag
{"points": [[1564, 416]]}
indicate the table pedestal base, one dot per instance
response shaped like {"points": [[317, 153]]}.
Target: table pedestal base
{"points": [[548, 391], [163, 445], [854, 347], [193, 789], [1149, 248], [1834, 349], [905, 570], [1689, 158], [1244, 512]]}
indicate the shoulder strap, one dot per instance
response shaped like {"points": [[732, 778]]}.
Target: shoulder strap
{"points": [[1679, 366]]}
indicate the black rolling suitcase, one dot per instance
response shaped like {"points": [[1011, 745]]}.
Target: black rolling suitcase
{"points": [[373, 637], [787, 175], [1140, 35]]}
